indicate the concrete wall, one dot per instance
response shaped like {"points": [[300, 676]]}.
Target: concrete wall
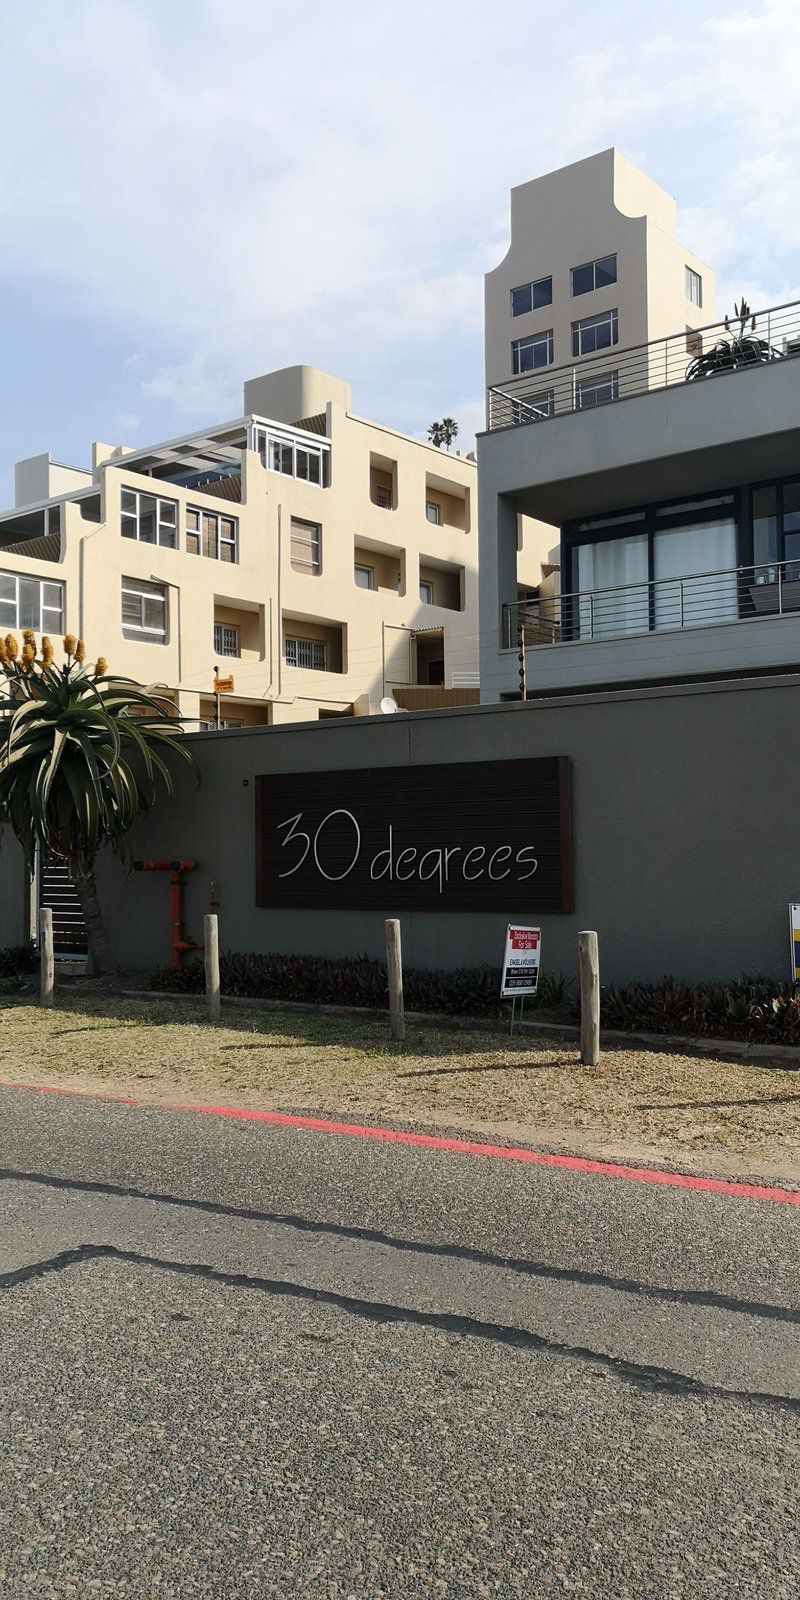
{"points": [[684, 817]]}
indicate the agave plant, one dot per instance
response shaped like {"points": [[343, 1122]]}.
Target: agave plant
{"points": [[79, 762], [742, 348]]}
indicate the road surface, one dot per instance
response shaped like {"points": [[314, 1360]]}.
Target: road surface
{"points": [[245, 1359]]}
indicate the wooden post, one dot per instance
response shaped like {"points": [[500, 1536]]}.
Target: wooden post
{"points": [[211, 935], [394, 967], [48, 977], [589, 969]]}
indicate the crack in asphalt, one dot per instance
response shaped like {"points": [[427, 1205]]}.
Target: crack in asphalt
{"points": [[535, 1269], [640, 1374]]}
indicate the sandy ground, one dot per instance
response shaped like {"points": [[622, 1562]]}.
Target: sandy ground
{"points": [[706, 1115]]}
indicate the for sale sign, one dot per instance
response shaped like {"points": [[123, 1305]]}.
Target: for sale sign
{"points": [[521, 961]]}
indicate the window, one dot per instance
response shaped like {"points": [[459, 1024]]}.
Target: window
{"points": [[210, 533], [294, 458], [365, 577], [383, 496], [426, 592], [433, 512], [226, 639], [306, 547], [144, 611], [593, 275], [149, 519], [306, 653], [776, 530], [537, 351], [31, 603], [694, 286], [533, 407], [530, 296], [597, 391], [595, 333]]}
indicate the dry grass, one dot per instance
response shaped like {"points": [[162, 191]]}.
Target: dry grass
{"points": [[712, 1114]]}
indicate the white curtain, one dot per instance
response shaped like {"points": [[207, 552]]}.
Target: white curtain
{"points": [[612, 579], [703, 556]]}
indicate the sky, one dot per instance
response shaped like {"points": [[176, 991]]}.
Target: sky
{"points": [[193, 192]]}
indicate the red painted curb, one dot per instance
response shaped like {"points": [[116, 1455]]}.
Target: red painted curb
{"points": [[464, 1147]]}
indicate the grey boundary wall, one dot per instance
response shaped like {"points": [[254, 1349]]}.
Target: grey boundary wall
{"points": [[685, 815]]}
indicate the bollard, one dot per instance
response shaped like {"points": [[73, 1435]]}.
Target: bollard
{"points": [[211, 938], [589, 969], [394, 968], [48, 976]]}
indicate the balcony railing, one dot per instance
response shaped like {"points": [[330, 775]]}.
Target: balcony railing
{"points": [[615, 373], [701, 600]]}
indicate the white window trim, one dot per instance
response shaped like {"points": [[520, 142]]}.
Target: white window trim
{"points": [[317, 647], [160, 500], [426, 600], [690, 279], [141, 590], [311, 541], [529, 343], [44, 627], [219, 517], [263, 440], [581, 267], [361, 566], [220, 645], [532, 284], [589, 324], [433, 505], [600, 381]]}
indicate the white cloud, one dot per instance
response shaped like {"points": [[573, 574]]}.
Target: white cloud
{"points": [[239, 189]]}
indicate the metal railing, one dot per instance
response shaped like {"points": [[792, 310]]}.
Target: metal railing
{"points": [[701, 600], [616, 373]]}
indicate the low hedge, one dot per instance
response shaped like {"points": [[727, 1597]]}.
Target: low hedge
{"points": [[756, 1009], [316, 980], [18, 963]]}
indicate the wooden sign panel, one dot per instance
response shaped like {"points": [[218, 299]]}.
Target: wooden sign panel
{"points": [[469, 836]]}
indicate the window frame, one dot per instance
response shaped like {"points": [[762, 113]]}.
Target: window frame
{"points": [[690, 280], [143, 589], [360, 566], [433, 505], [596, 381], [317, 647], [283, 453], [125, 514], [312, 541], [19, 578], [220, 648], [531, 342], [534, 304], [199, 533], [426, 583], [585, 325], [585, 266], [523, 404]]}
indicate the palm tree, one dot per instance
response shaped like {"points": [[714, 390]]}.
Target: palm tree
{"points": [[443, 433], [78, 763]]}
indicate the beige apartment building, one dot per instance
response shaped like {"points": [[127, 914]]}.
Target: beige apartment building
{"points": [[593, 268], [321, 561]]}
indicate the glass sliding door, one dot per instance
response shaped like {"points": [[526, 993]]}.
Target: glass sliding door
{"points": [[694, 568], [614, 593]]}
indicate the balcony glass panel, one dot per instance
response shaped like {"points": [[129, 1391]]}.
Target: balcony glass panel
{"points": [[699, 556], [619, 565]]}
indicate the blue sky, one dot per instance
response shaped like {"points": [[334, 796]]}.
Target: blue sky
{"points": [[196, 191]]}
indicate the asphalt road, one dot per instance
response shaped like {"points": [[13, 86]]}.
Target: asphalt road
{"points": [[244, 1360]]}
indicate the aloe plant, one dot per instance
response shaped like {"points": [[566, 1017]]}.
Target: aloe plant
{"points": [[79, 763], [742, 348]]}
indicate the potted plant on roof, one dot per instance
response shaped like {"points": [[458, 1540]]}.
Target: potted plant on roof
{"points": [[742, 348]]}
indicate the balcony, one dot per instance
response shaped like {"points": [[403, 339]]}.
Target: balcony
{"points": [[612, 374]]}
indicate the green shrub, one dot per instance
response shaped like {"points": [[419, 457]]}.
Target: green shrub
{"points": [[17, 963], [756, 1009], [359, 981]]}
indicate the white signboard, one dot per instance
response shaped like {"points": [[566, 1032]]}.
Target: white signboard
{"points": [[521, 961], [794, 943]]}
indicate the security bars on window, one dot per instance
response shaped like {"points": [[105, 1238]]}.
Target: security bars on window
{"points": [[306, 653]]}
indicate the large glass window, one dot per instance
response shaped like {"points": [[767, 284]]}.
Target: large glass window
{"points": [[144, 611], [593, 275], [595, 333], [210, 533], [537, 351], [30, 603], [149, 518], [296, 459], [597, 391], [614, 593], [530, 296], [701, 559]]}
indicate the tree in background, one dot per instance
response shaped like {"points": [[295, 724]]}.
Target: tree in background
{"points": [[79, 758], [443, 433]]}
